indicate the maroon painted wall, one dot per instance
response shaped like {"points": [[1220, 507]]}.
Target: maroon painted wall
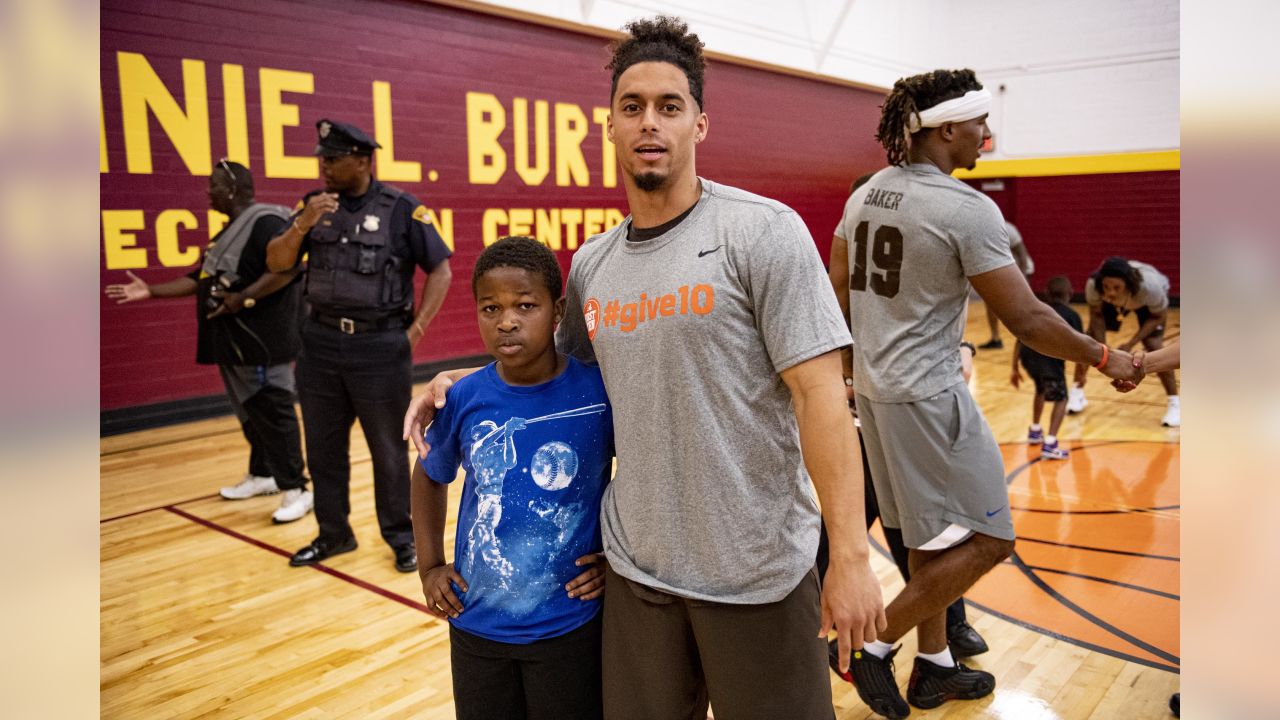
{"points": [[1071, 223], [797, 140]]}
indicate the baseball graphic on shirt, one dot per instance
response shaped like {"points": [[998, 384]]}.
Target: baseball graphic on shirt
{"points": [[554, 466]]}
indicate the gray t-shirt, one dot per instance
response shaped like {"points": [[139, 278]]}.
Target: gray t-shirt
{"points": [[711, 500], [915, 236], [1153, 293]]}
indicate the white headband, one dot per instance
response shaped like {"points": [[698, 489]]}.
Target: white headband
{"points": [[972, 104]]}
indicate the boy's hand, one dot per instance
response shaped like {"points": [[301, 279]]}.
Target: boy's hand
{"points": [[422, 410], [590, 584], [1016, 378], [441, 602]]}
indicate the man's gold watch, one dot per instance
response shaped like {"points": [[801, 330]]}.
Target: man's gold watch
{"points": [[249, 303]]}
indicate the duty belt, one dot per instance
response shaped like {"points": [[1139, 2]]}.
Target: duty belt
{"points": [[352, 326]]}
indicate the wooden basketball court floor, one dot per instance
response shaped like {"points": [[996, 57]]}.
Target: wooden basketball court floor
{"points": [[202, 617]]}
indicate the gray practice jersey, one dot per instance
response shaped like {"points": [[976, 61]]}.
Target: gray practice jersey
{"points": [[915, 235], [691, 329], [1153, 294]]}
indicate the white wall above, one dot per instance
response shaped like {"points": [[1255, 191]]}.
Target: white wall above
{"points": [[1078, 78]]}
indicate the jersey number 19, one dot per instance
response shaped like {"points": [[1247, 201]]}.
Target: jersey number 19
{"points": [[886, 253]]}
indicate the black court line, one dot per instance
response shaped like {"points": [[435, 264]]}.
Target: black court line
{"points": [[1061, 599], [1128, 553], [158, 507], [1106, 581], [1103, 624], [362, 584], [1160, 508], [1118, 654], [1075, 641]]}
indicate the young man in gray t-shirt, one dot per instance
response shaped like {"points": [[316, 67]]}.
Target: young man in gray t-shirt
{"points": [[708, 313], [917, 238], [1118, 287]]}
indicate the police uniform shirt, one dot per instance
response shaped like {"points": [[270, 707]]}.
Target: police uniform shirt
{"points": [[266, 334], [411, 234]]}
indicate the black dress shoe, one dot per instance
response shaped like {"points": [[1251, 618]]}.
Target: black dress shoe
{"points": [[321, 549], [406, 558], [993, 344], [965, 641]]}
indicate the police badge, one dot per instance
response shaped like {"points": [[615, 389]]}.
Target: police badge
{"points": [[371, 223]]}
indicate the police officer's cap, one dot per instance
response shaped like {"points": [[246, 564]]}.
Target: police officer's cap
{"points": [[339, 138]]}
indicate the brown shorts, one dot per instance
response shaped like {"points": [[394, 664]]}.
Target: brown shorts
{"points": [[666, 656]]}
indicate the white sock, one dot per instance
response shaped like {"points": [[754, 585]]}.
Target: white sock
{"points": [[1035, 427], [941, 659], [879, 649], [1050, 439], [1173, 401]]}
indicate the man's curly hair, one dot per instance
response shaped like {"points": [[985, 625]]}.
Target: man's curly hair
{"points": [[524, 253], [911, 95], [661, 39]]}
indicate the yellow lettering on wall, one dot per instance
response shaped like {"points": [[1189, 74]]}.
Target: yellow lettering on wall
{"points": [[486, 160], [571, 218], [592, 222], [571, 128], [102, 134], [141, 90], [547, 228], [493, 217], [167, 250], [217, 221], [234, 111], [276, 115], [389, 168], [520, 221], [536, 173], [608, 153], [119, 241], [612, 218], [444, 225]]}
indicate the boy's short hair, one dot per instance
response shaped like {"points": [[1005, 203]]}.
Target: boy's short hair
{"points": [[1059, 289], [522, 252], [661, 39]]}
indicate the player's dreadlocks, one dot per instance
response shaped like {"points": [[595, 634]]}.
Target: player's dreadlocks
{"points": [[661, 39], [911, 95]]}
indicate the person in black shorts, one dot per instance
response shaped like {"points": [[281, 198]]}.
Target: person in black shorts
{"points": [[1048, 374]]}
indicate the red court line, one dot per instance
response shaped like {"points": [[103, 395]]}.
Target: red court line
{"points": [[286, 554], [159, 507]]}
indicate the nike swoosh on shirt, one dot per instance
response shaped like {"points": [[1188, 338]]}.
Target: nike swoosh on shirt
{"points": [[702, 253], [993, 512]]}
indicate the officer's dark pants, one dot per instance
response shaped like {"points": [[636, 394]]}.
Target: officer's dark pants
{"points": [[897, 548], [262, 398], [342, 378]]}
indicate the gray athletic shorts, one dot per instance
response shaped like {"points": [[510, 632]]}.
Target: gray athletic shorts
{"points": [[934, 463]]}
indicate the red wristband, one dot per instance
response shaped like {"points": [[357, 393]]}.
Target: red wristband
{"points": [[1106, 354]]}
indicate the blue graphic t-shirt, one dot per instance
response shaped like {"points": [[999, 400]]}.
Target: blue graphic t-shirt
{"points": [[537, 459]]}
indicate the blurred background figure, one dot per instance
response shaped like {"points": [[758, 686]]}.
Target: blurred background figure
{"points": [[1118, 287], [247, 325], [1026, 265]]}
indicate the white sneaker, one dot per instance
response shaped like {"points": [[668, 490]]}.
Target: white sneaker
{"points": [[293, 505], [1076, 401], [1172, 416], [251, 486]]}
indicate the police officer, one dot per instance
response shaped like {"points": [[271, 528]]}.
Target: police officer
{"points": [[247, 324], [363, 240]]}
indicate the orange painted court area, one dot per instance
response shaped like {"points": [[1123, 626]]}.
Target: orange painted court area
{"points": [[1097, 560]]}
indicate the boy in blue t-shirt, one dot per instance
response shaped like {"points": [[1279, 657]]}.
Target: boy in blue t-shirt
{"points": [[1049, 375], [534, 433]]}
